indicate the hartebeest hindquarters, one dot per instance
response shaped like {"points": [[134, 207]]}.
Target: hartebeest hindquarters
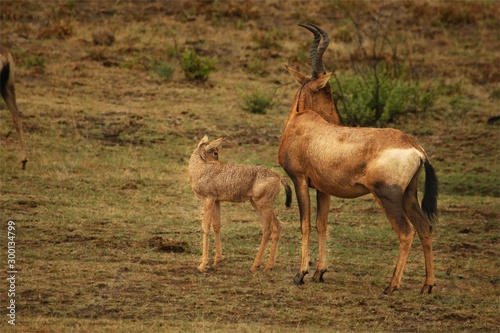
{"points": [[317, 151], [9, 95]]}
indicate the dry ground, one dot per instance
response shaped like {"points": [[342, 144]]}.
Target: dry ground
{"points": [[107, 227]]}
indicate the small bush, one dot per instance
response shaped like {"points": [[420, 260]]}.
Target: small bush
{"points": [[257, 66], [367, 101], [32, 61], [196, 67], [495, 94], [257, 102], [163, 70], [386, 82], [137, 62], [461, 105], [268, 40]]}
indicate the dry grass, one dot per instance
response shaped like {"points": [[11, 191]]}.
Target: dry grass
{"points": [[109, 144]]}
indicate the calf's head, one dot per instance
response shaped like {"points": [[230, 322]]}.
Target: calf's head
{"points": [[209, 151]]}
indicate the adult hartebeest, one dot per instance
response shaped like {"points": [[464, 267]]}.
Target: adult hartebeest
{"points": [[9, 95], [317, 151]]}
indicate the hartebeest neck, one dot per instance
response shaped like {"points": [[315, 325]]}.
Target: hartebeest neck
{"points": [[319, 101]]}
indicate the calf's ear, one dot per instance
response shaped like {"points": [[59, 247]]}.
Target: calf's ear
{"points": [[204, 140], [214, 144]]}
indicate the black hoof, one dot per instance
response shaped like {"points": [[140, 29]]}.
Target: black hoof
{"points": [[318, 276], [426, 289], [299, 278], [389, 290]]}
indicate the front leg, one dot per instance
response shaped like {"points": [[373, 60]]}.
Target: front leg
{"points": [[302, 192], [208, 212], [323, 203], [217, 227]]}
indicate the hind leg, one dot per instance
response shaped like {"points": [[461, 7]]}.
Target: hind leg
{"points": [[424, 230], [265, 217], [323, 205], [276, 229], [10, 101], [217, 228], [392, 203]]}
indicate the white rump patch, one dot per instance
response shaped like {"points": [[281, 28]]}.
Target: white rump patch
{"points": [[396, 154], [399, 164]]}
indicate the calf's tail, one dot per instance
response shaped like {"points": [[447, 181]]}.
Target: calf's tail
{"points": [[288, 192]]}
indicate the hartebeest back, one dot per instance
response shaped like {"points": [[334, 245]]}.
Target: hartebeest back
{"points": [[9, 95], [317, 151]]}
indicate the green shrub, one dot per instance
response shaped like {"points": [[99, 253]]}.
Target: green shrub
{"points": [[495, 94], [368, 100], [196, 67], [268, 40], [257, 102], [257, 66], [461, 105], [163, 70], [135, 62], [32, 61], [386, 80]]}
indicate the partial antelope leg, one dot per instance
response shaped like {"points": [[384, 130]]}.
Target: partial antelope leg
{"points": [[9, 95], [393, 208], [276, 229], [265, 219], [323, 203], [208, 213], [302, 192], [216, 225], [417, 217]]}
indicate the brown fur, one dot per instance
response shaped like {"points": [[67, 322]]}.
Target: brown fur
{"points": [[214, 181], [9, 95], [317, 151]]}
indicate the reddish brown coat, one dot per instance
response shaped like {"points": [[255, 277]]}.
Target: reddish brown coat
{"points": [[317, 151]]}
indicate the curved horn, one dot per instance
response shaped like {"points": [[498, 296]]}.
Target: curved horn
{"points": [[319, 58], [314, 48]]}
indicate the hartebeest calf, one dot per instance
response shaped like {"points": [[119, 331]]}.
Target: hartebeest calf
{"points": [[214, 181], [9, 95], [317, 151]]}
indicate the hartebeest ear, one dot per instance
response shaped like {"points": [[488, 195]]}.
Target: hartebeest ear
{"points": [[299, 78], [214, 144], [204, 140], [320, 82]]}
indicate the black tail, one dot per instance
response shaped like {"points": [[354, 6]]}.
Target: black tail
{"points": [[288, 192], [429, 202], [4, 79]]}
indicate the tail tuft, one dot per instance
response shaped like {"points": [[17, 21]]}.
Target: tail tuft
{"points": [[4, 79], [429, 202], [288, 192]]}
